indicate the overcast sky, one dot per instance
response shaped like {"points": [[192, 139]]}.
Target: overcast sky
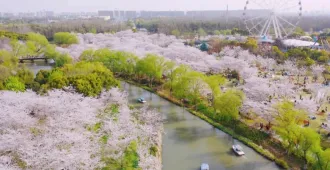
{"points": [[95, 5]]}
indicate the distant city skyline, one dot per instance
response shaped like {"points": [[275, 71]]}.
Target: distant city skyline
{"points": [[16, 6]]}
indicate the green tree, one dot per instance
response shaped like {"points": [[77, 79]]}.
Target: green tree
{"points": [[201, 32], [57, 80], [287, 120], [93, 31], [36, 43], [195, 82], [14, 84], [308, 140], [131, 157], [214, 82], [89, 78], [278, 54], [323, 59], [62, 59], [151, 66], [176, 33], [298, 32], [216, 32], [251, 44], [225, 32], [26, 76], [169, 73], [87, 55], [176, 84], [42, 77], [65, 38], [228, 104], [319, 159], [8, 60], [18, 48]]}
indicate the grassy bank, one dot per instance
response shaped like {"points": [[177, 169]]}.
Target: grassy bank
{"points": [[263, 147]]}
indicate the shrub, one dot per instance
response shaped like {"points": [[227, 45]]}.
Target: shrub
{"points": [[65, 38], [87, 78], [35, 86], [57, 79], [26, 76], [14, 84], [42, 77], [62, 59], [153, 150], [131, 157]]}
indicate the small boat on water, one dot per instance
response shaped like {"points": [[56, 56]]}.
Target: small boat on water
{"points": [[141, 100], [205, 166], [238, 150]]}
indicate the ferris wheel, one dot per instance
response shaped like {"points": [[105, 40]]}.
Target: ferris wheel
{"points": [[272, 18]]}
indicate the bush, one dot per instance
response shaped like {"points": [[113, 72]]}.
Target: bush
{"points": [[88, 78], [13, 35], [89, 85], [42, 77], [62, 59], [131, 157], [35, 86], [26, 76], [14, 84], [57, 79], [2, 87], [153, 150], [65, 38]]}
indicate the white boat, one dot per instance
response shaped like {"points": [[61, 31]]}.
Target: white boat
{"points": [[141, 100], [238, 150], [205, 166]]}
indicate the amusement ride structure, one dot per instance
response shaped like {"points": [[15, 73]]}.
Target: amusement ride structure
{"points": [[275, 19]]}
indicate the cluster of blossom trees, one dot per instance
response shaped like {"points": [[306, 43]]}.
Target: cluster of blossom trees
{"points": [[68, 131], [249, 67]]}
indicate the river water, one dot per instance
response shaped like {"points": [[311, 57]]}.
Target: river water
{"points": [[189, 141], [37, 65]]}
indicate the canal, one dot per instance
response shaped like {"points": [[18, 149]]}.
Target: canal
{"points": [[189, 141]]}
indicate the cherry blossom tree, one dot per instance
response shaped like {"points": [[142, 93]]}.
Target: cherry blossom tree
{"points": [[63, 130]]}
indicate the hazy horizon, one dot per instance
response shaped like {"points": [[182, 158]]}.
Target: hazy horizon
{"points": [[154, 5]]}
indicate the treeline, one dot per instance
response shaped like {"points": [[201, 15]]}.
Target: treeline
{"points": [[302, 56], [13, 35], [181, 81], [78, 26], [187, 27]]}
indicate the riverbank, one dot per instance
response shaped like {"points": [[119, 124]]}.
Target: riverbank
{"points": [[264, 148]]}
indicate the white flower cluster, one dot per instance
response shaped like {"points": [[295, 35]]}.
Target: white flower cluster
{"points": [[50, 132], [258, 88]]}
